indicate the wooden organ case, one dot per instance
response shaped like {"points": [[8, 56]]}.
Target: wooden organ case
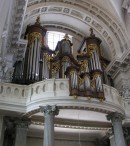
{"points": [[35, 65], [91, 71]]}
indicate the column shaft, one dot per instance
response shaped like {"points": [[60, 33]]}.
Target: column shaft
{"points": [[2, 125], [118, 133], [112, 140], [49, 113], [21, 137], [49, 130]]}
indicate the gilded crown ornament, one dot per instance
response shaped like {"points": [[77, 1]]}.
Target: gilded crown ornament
{"points": [[38, 20]]}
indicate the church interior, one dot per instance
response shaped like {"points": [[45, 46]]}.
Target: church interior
{"points": [[65, 73]]}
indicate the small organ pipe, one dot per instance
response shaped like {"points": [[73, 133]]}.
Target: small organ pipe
{"points": [[94, 66]]}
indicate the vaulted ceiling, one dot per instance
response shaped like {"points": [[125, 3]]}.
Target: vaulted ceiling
{"points": [[77, 16]]}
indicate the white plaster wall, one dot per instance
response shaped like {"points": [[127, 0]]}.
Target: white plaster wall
{"points": [[39, 142], [127, 23], [4, 7], [117, 4], [122, 79]]}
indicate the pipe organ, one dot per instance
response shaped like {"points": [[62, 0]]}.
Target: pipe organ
{"points": [[85, 73]]}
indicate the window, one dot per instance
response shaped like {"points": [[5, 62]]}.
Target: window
{"points": [[53, 37]]}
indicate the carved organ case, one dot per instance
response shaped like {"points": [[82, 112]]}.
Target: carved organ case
{"points": [[91, 74]]}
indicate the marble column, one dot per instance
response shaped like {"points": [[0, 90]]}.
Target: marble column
{"points": [[116, 119], [21, 132], [49, 113]]}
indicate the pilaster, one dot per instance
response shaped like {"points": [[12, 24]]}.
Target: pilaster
{"points": [[116, 119]]}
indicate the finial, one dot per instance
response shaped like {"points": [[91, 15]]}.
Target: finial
{"points": [[66, 37], [91, 32], [38, 20]]}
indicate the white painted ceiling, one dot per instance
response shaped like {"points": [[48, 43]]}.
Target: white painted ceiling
{"points": [[105, 16]]}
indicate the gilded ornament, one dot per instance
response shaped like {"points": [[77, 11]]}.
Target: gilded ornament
{"points": [[91, 48], [75, 96], [89, 98], [81, 80], [32, 36], [84, 65], [55, 67], [92, 83], [65, 59], [38, 20]]}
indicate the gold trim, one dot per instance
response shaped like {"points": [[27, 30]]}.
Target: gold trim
{"points": [[84, 64], [91, 48], [55, 67], [32, 36]]}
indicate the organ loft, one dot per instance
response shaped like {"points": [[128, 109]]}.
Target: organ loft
{"points": [[86, 72]]}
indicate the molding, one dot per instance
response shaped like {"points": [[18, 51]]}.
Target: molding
{"points": [[72, 123]]}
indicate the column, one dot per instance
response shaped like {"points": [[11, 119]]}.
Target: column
{"points": [[112, 140], [21, 132], [116, 119], [49, 113], [2, 127], [9, 134]]}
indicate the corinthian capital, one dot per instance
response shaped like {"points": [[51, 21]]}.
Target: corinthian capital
{"points": [[48, 109], [114, 116]]}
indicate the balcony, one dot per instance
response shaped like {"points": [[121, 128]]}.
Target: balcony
{"points": [[28, 98]]}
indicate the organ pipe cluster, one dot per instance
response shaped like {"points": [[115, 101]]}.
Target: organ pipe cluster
{"points": [[34, 67], [86, 72]]}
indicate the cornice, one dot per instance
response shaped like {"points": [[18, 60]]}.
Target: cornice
{"points": [[74, 124]]}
